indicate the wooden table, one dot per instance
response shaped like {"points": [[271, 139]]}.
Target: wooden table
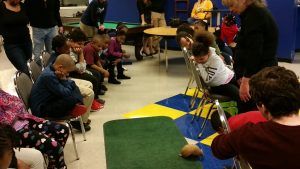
{"points": [[165, 32]]}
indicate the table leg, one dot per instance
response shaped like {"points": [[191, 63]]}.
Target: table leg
{"points": [[166, 53], [159, 54], [218, 18]]}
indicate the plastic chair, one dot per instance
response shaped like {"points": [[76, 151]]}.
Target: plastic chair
{"points": [[23, 86]]}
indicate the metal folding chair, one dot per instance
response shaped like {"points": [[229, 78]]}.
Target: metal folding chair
{"points": [[45, 59], [34, 70], [23, 86]]}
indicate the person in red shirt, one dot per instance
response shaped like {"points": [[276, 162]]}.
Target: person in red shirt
{"points": [[274, 143], [91, 56], [229, 30]]}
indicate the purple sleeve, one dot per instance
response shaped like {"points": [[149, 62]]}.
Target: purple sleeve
{"points": [[113, 49]]}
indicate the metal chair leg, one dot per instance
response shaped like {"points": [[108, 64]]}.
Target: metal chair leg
{"points": [[205, 120], [189, 84], [73, 139], [82, 128], [199, 109], [194, 97]]}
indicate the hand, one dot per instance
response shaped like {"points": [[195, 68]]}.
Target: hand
{"points": [[244, 90], [144, 23], [60, 75], [116, 61], [78, 51], [22, 165], [101, 27], [192, 58], [61, 30]]}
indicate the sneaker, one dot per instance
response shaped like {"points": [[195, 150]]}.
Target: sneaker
{"points": [[78, 110], [101, 101], [123, 77], [114, 81], [76, 125], [103, 87], [96, 106]]}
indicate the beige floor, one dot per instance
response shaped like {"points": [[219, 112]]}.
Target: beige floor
{"points": [[150, 83]]}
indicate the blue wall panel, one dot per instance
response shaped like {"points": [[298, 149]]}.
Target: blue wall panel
{"points": [[284, 11], [298, 30]]}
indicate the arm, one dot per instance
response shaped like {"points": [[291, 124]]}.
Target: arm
{"points": [[208, 7], [111, 50], [57, 87], [103, 14], [141, 10], [57, 14], [93, 13], [193, 13]]}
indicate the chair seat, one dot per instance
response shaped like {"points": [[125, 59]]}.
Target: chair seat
{"points": [[60, 118], [221, 98]]}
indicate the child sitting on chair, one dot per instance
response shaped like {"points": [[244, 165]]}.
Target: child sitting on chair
{"points": [[115, 55], [212, 69]]}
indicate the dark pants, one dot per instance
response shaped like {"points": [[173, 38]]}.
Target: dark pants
{"points": [[19, 54], [94, 80], [97, 74], [111, 67], [59, 107], [231, 90]]}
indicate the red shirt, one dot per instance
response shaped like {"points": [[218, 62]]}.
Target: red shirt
{"points": [[239, 120], [90, 54], [228, 33]]}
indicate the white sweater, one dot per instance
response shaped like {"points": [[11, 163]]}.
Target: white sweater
{"points": [[214, 72]]}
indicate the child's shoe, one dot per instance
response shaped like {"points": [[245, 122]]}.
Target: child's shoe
{"points": [[114, 81], [123, 77]]}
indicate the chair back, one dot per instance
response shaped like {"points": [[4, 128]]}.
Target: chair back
{"points": [[187, 59], [45, 59], [34, 70], [23, 86]]}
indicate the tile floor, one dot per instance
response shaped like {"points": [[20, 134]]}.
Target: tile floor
{"points": [[150, 83]]}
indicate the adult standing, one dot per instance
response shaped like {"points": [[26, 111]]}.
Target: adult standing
{"points": [[257, 41], [143, 7], [13, 28], [44, 16], [94, 13]]}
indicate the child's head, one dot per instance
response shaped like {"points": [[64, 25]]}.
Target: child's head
{"points": [[200, 26], [59, 45], [64, 64], [216, 121], [229, 20], [276, 91], [121, 27], [97, 42], [185, 28], [121, 36], [8, 141], [77, 38], [200, 47], [184, 40]]}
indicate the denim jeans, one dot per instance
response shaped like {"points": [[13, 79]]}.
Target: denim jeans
{"points": [[42, 37], [19, 54]]}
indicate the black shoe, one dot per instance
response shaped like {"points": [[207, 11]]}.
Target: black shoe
{"points": [[114, 81], [123, 77], [76, 125], [101, 101], [103, 87]]}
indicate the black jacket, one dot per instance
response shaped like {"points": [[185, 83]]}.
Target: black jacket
{"points": [[257, 41], [43, 13]]}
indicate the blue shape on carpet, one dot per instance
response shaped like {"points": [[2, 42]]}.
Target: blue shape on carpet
{"points": [[209, 161], [179, 102], [191, 130]]}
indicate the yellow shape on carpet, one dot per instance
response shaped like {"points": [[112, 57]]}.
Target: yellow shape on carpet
{"points": [[155, 110], [208, 141], [204, 112], [191, 92]]}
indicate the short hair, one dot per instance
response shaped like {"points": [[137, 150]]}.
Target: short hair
{"points": [[121, 26], [58, 41], [185, 28], [202, 23], [278, 89], [121, 33], [77, 35], [64, 60], [202, 43], [8, 139]]}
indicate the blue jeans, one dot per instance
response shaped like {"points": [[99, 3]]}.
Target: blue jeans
{"points": [[192, 20], [19, 54], [42, 37]]}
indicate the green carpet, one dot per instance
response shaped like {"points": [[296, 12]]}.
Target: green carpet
{"points": [[145, 143]]}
